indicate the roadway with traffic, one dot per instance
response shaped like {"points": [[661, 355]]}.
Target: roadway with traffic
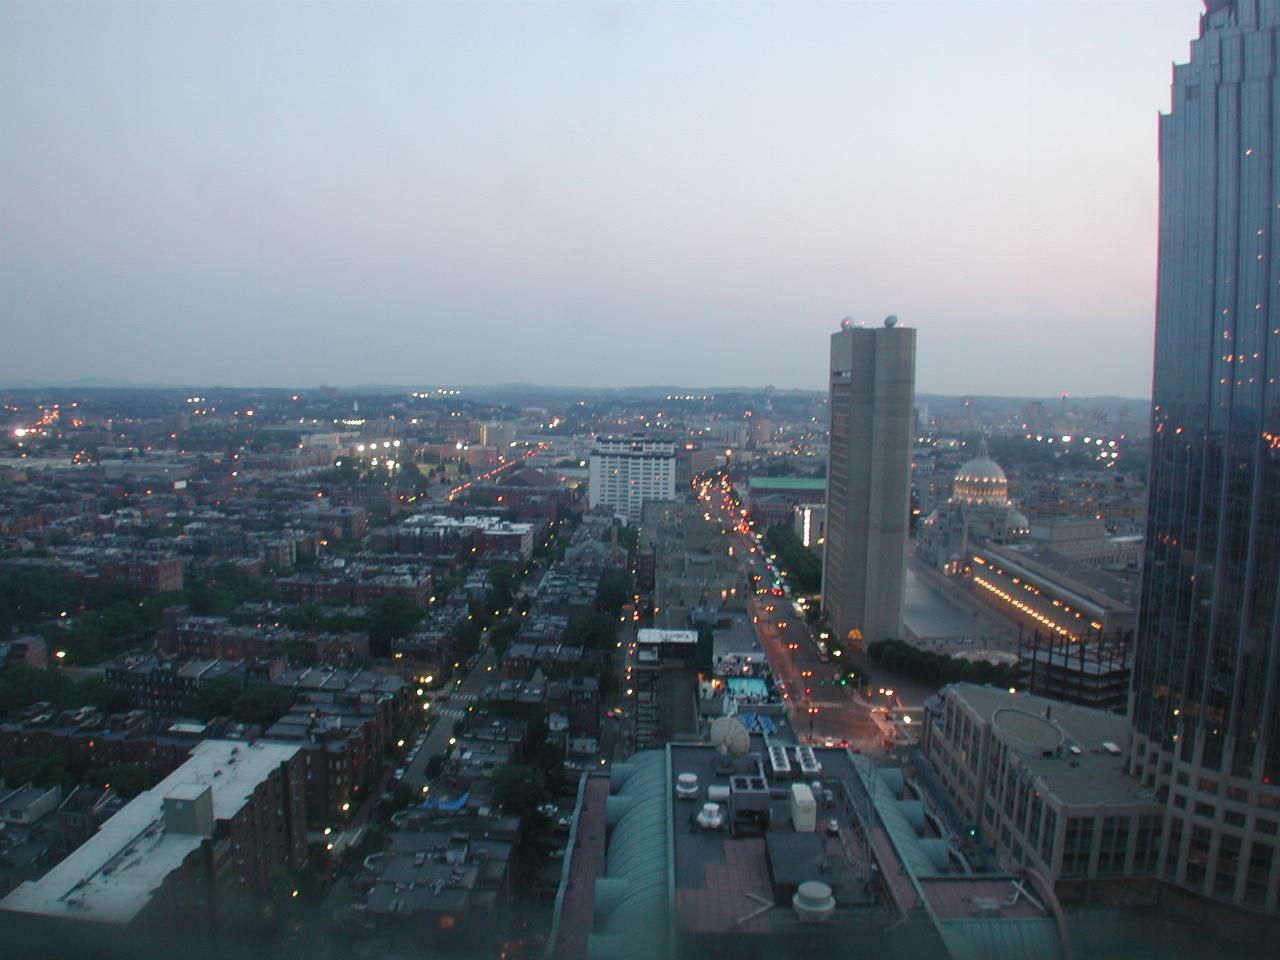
{"points": [[818, 707]]}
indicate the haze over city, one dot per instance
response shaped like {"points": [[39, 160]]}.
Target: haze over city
{"points": [[640, 480], [584, 194]]}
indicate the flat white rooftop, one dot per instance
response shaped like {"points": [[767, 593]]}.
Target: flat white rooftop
{"points": [[654, 635], [115, 873]]}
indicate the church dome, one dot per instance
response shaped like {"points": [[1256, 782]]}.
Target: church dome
{"points": [[983, 470], [981, 481]]}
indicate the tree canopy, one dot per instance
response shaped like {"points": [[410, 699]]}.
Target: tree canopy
{"points": [[391, 618]]}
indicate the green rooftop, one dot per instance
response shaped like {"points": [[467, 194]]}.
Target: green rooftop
{"points": [[787, 483]]}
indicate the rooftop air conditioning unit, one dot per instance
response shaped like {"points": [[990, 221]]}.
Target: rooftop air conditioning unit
{"points": [[687, 786], [813, 902], [710, 817]]}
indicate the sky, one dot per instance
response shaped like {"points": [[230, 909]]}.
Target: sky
{"points": [[581, 193]]}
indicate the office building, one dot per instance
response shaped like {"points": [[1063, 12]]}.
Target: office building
{"points": [[869, 479], [1206, 690], [625, 473], [1043, 784]]}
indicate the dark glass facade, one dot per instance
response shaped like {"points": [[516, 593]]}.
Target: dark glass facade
{"points": [[1207, 670], [1206, 685]]}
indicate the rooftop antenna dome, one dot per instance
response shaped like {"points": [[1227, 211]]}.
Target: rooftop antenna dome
{"points": [[730, 737], [891, 320], [846, 323]]}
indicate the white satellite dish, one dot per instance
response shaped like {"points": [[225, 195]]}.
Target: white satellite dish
{"points": [[730, 737]]}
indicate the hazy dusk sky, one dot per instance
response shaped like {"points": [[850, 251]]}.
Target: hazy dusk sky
{"points": [[586, 193]]}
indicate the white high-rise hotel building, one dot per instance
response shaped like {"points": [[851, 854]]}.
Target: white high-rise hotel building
{"points": [[627, 472]]}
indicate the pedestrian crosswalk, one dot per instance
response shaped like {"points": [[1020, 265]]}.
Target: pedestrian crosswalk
{"points": [[456, 712], [829, 704], [465, 696]]}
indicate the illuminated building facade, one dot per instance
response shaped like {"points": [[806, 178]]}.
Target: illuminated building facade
{"points": [[869, 479], [978, 510], [625, 473], [1206, 691]]}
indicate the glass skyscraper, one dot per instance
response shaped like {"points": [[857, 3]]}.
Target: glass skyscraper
{"points": [[1206, 687]]}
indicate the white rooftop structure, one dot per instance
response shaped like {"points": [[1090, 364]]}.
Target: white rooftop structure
{"points": [[651, 635], [113, 876]]}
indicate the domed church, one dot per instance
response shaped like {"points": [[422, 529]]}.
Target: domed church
{"points": [[979, 509]]}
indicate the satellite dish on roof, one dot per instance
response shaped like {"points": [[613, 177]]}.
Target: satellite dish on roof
{"points": [[730, 737], [846, 323], [891, 320]]}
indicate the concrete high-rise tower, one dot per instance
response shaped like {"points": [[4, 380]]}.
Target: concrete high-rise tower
{"points": [[873, 373], [1206, 686]]}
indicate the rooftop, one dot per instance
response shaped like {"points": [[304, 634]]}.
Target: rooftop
{"points": [[654, 635], [815, 484], [114, 875], [1105, 589], [1036, 726]]}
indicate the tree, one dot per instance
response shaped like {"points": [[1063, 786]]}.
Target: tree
{"points": [[262, 704], [48, 770], [925, 666], [96, 692], [502, 583], [804, 567], [597, 631], [705, 649], [606, 679], [390, 618], [21, 686], [629, 538], [613, 592], [399, 798], [551, 763], [213, 698], [519, 790], [126, 779]]}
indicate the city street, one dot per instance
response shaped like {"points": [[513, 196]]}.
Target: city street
{"points": [[449, 710], [838, 714]]}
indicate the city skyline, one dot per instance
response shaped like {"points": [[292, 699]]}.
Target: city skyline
{"points": [[439, 180]]}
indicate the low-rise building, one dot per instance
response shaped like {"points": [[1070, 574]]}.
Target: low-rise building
{"points": [[1043, 783]]}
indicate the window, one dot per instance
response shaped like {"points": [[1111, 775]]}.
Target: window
{"points": [[1224, 879], [1077, 847], [1146, 853], [1198, 855], [1114, 846], [1050, 834], [1255, 885], [1175, 849]]}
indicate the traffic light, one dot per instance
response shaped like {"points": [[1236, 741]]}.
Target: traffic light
{"points": [[808, 690], [844, 681]]}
